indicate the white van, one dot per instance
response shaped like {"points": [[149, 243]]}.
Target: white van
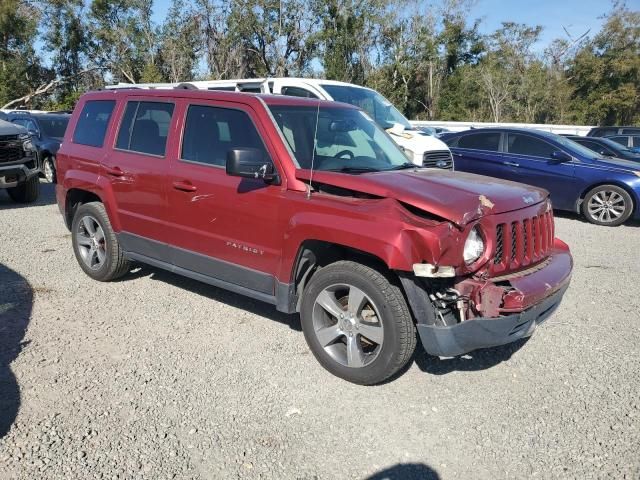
{"points": [[421, 148]]}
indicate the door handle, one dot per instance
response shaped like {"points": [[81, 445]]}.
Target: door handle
{"points": [[185, 186], [511, 164], [114, 171]]}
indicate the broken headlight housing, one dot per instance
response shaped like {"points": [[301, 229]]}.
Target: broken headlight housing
{"points": [[473, 247]]}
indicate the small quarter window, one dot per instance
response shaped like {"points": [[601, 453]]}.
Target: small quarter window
{"points": [[93, 122]]}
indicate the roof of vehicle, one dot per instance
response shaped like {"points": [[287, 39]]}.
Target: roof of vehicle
{"points": [[19, 114], [239, 97], [504, 130]]}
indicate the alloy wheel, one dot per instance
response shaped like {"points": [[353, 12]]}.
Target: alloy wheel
{"points": [[347, 324], [606, 206], [48, 170], [90, 239]]}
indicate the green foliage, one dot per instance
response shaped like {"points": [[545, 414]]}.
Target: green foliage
{"points": [[605, 73]]}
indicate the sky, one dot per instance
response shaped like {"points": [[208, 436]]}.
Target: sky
{"points": [[577, 16]]}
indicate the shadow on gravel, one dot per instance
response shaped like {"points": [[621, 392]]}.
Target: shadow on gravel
{"points": [[47, 197], [477, 360], [406, 471], [219, 295], [579, 218], [16, 300]]}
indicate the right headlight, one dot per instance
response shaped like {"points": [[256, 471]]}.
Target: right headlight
{"points": [[473, 247]]}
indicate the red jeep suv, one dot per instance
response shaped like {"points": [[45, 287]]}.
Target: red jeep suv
{"points": [[310, 206]]}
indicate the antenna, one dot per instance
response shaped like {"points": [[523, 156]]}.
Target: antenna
{"points": [[313, 154]]}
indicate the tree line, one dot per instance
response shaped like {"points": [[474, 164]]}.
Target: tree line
{"points": [[429, 58]]}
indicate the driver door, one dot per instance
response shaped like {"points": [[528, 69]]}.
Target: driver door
{"points": [[531, 162], [225, 227]]}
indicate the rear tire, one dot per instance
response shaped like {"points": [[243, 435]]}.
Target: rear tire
{"points": [[95, 244], [607, 205], [357, 323], [26, 192]]}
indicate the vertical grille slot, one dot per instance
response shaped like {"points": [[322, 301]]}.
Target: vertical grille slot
{"points": [[499, 244], [514, 241]]}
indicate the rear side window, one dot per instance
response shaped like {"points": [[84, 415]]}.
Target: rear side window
{"points": [[630, 131], [210, 132], [145, 127], [93, 122], [527, 145], [297, 92], [480, 141]]}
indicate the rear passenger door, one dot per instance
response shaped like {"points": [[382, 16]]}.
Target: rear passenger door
{"points": [[478, 153], [137, 168], [225, 227]]}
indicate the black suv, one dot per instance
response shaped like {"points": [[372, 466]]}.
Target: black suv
{"points": [[19, 167], [47, 131]]}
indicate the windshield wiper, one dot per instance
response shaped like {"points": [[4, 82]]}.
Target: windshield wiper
{"points": [[353, 169], [404, 166]]}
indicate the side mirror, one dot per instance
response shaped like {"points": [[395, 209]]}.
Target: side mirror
{"points": [[33, 132], [561, 157], [250, 163]]}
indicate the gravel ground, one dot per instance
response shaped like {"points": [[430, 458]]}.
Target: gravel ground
{"points": [[161, 377]]}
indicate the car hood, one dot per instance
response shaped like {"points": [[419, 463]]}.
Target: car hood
{"points": [[8, 128], [455, 196], [418, 141], [616, 164]]}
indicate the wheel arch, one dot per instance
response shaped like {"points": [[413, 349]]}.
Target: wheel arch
{"points": [[615, 183], [76, 197], [312, 255]]}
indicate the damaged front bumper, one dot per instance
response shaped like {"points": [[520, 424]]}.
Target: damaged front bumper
{"points": [[526, 300]]}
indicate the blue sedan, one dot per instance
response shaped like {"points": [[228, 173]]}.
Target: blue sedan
{"points": [[604, 190]]}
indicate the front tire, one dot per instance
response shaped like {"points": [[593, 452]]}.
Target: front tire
{"points": [[357, 323], [49, 169], [26, 192], [95, 244], [607, 205]]}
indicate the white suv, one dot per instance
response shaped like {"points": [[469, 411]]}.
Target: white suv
{"points": [[421, 148]]}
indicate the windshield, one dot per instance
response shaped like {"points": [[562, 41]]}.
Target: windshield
{"points": [[614, 145], [576, 147], [347, 140], [378, 107], [53, 127]]}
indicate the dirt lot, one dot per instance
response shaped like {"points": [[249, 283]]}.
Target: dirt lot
{"points": [[161, 377]]}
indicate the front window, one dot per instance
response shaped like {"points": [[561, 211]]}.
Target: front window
{"points": [[378, 107], [347, 140], [53, 127]]}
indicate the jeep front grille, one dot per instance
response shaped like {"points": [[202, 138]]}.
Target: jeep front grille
{"points": [[437, 159], [523, 243]]}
